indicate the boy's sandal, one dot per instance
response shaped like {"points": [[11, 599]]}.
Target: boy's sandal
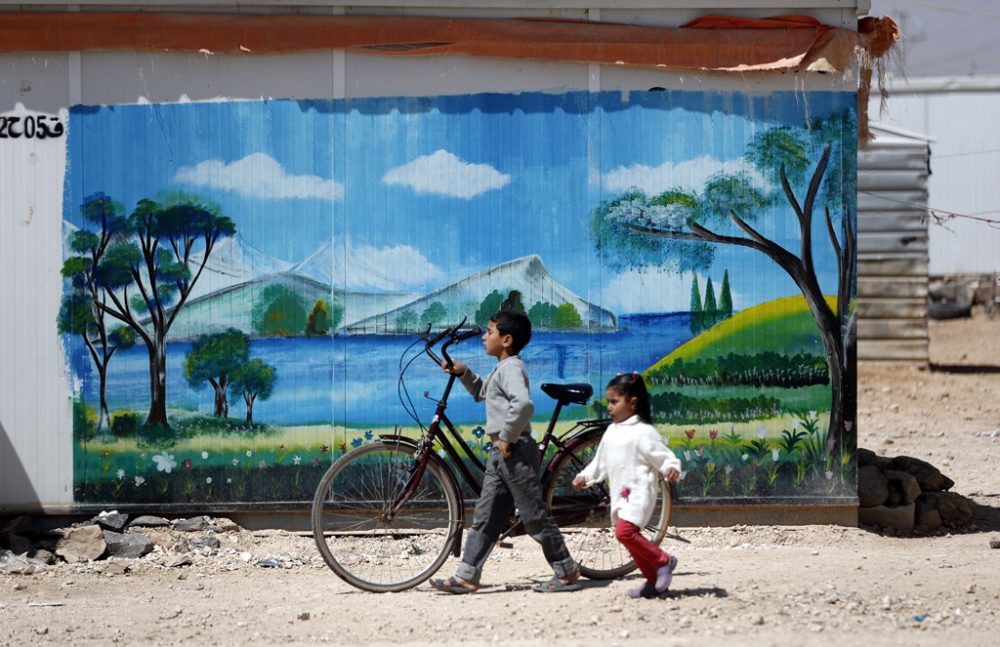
{"points": [[555, 585], [451, 585]]}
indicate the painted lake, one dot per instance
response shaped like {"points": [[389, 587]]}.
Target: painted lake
{"points": [[354, 379]]}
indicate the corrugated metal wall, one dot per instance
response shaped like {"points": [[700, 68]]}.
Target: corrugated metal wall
{"points": [[36, 443], [893, 248]]}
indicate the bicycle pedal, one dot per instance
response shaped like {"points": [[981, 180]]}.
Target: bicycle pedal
{"points": [[505, 544]]}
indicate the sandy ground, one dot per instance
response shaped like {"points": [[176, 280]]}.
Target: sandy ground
{"points": [[738, 585]]}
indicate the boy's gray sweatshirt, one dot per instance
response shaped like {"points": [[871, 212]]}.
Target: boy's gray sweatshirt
{"points": [[508, 398]]}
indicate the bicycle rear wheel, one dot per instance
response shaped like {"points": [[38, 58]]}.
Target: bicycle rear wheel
{"points": [[585, 516], [359, 536]]}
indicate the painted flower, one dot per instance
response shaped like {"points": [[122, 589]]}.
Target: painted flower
{"points": [[249, 453], [478, 432], [369, 435], [795, 425], [689, 433], [848, 425], [261, 465], [700, 451], [732, 427], [105, 453], [142, 456], [164, 462], [208, 480], [775, 454], [316, 460], [682, 475], [236, 462], [687, 455], [229, 480], [488, 447], [139, 481], [729, 469], [186, 464], [120, 474], [323, 449], [625, 493], [204, 456], [745, 457], [297, 460], [829, 475], [356, 442], [281, 446], [761, 431], [713, 434]]}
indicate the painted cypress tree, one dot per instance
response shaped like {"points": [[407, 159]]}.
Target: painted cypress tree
{"points": [[696, 323], [725, 298], [710, 311]]}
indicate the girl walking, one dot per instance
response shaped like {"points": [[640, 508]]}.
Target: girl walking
{"points": [[631, 457]]}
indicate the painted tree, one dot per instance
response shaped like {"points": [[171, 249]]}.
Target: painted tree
{"points": [[710, 311], [814, 165], [214, 359], [152, 257], [567, 316], [542, 314], [406, 321], [513, 302], [489, 307], [434, 314], [318, 323], [279, 312], [81, 312], [78, 316], [725, 298], [254, 380], [696, 325]]}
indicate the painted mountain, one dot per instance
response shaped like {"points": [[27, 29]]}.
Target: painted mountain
{"points": [[233, 261], [464, 298]]}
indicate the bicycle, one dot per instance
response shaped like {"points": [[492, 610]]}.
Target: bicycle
{"points": [[387, 515]]}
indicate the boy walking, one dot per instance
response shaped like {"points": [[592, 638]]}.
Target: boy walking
{"points": [[512, 470]]}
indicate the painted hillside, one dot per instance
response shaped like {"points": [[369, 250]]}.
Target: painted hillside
{"points": [[526, 275]]}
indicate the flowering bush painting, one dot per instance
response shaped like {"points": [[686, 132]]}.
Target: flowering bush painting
{"points": [[241, 279]]}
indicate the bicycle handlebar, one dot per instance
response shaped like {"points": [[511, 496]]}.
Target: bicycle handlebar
{"points": [[453, 336]]}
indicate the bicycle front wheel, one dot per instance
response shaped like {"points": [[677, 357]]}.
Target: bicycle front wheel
{"points": [[585, 516], [360, 535]]}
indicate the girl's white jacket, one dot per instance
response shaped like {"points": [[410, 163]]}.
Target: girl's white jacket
{"points": [[631, 456]]}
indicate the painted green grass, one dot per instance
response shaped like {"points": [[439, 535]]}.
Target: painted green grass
{"points": [[807, 398], [783, 325]]}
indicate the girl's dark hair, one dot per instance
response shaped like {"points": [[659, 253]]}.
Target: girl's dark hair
{"points": [[631, 385]]}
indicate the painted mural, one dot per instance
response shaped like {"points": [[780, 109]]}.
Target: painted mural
{"points": [[242, 278]]}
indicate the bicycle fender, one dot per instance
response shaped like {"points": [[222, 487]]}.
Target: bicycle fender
{"points": [[398, 439], [570, 446]]}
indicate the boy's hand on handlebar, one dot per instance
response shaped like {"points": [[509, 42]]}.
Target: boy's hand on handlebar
{"points": [[504, 447], [672, 475], [580, 482], [456, 368]]}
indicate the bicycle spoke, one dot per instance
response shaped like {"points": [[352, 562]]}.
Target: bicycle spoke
{"points": [[369, 544]]}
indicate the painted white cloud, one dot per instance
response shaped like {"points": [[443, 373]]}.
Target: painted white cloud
{"points": [[258, 175], [689, 175], [444, 173], [656, 289]]}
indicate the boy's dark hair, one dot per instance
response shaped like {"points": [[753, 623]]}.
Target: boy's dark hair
{"points": [[517, 325], [631, 385]]}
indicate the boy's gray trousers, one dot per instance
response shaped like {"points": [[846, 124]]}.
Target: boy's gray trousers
{"points": [[511, 482]]}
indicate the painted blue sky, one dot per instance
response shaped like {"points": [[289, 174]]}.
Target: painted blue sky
{"points": [[432, 189]]}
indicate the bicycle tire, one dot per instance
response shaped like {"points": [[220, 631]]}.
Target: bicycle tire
{"points": [[584, 516], [367, 549]]}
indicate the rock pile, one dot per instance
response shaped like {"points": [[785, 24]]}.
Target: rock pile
{"points": [[24, 549], [907, 494]]}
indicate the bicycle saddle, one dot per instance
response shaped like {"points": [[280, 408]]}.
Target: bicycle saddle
{"points": [[575, 393]]}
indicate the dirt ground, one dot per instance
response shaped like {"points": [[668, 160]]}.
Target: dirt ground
{"points": [[737, 585]]}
